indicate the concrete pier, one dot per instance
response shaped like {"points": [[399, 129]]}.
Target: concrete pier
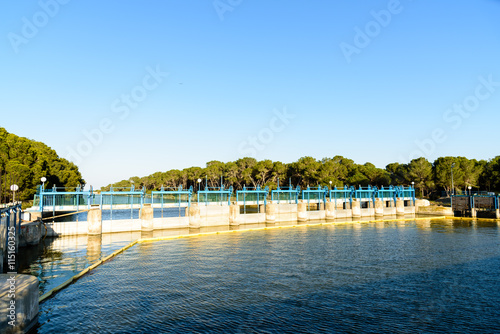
{"points": [[379, 208], [30, 234], [302, 215], [146, 216], [94, 219], [194, 216], [497, 213], [222, 214], [400, 207], [234, 215], [473, 212], [35, 215], [356, 208], [270, 213], [18, 303], [330, 211]]}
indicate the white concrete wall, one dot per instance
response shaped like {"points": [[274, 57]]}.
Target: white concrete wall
{"points": [[121, 225], [341, 213], [66, 228], [253, 218], [370, 212], [316, 215], [286, 212], [214, 215], [171, 222], [390, 211]]}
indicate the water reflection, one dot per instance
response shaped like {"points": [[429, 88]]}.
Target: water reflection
{"points": [[94, 243], [420, 276]]}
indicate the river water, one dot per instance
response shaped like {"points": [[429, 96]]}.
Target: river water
{"points": [[425, 276]]}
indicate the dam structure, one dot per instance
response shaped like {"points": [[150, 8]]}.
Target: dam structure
{"points": [[77, 211]]}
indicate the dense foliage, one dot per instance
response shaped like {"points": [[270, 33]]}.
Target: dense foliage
{"points": [[430, 178], [24, 162]]}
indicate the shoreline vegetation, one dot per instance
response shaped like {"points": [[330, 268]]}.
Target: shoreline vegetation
{"points": [[24, 161], [431, 180]]}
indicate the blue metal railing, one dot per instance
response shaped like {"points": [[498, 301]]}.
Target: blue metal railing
{"points": [[10, 227], [252, 195], [366, 193], [172, 196], [287, 194], [215, 194], [316, 193], [345, 194], [59, 198]]}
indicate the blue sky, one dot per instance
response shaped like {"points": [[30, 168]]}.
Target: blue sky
{"points": [[130, 88]]}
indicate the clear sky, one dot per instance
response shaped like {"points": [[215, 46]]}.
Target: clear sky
{"points": [[128, 88]]}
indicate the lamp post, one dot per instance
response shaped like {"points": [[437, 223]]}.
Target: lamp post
{"points": [[452, 186], [43, 179], [199, 182], [14, 188], [470, 192]]}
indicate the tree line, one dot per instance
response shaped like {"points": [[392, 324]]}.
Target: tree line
{"points": [[24, 161], [430, 179]]}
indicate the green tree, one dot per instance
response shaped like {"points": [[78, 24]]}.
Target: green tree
{"points": [[420, 171]]}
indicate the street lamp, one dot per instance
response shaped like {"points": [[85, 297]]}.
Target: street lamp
{"points": [[452, 186], [14, 188], [43, 179], [199, 182], [470, 193]]}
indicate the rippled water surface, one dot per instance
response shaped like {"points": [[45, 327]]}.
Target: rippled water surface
{"points": [[407, 277]]}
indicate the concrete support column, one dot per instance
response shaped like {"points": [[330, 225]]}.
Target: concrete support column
{"points": [[262, 208], [36, 215], [94, 220], [321, 206], [19, 310], [331, 211], [146, 215], [194, 216], [379, 208], [473, 212], [302, 212], [234, 214], [400, 207], [356, 208], [497, 213], [30, 234], [271, 213]]}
